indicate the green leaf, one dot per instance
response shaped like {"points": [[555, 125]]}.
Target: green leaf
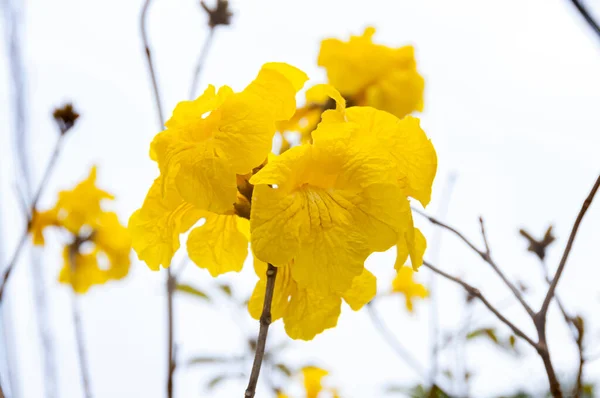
{"points": [[215, 381], [189, 289], [202, 360], [284, 369], [225, 288]]}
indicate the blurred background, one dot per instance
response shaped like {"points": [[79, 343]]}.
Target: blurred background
{"points": [[512, 104]]}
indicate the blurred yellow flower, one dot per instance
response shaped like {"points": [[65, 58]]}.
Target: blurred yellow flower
{"points": [[313, 383], [372, 74], [404, 283], [100, 246], [307, 312]]}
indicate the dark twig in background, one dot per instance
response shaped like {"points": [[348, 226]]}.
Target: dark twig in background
{"points": [[265, 322], [169, 283], [587, 16], [200, 63], [478, 295], [484, 255]]}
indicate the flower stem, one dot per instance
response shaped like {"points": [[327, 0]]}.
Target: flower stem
{"points": [[79, 337], [265, 322], [47, 173]]}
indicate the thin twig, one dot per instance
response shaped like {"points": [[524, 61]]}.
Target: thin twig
{"points": [[477, 294], [436, 245], [43, 183], [563, 261], [150, 62], [484, 236], [170, 282], [398, 348], [201, 61], [587, 16], [265, 322], [485, 256], [79, 336]]}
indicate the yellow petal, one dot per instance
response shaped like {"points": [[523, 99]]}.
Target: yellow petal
{"points": [[405, 284], [155, 228], [202, 177], [309, 313], [40, 221], [410, 243], [248, 119], [284, 288], [406, 142], [84, 274], [312, 380], [81, 205], [114, 240], [399, 93], [219, 246], [363, 290]]}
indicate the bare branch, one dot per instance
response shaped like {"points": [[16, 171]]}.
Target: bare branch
{"points": [[201, 61], [43, 183], [477, 294], [265, 322], [484, 255], [587, 16], [561, 267]]}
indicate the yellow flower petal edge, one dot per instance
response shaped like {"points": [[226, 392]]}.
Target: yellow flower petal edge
{"points": [[156, 226], [220, 245], [405, 284]]}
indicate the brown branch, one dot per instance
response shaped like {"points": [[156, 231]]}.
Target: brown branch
{"points": [[265, 322], [201, 61], [563, 261], [477, 294], [43, 183], [484, 255], [484, 236], [150, 62], [170, 282], [587, 16]]}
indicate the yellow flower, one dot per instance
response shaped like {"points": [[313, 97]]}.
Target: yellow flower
{"points": [[39, 222], [372, 74], [313, 377], [405, 284], [81, 205], [84, 273], [307, 312], [327, 208], [211, 139], [403, 142], [100, 246]]}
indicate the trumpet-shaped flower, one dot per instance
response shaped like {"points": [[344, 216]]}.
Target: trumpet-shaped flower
{"points": [[307, 312], [372, 74], [404, 143], [100, 246], [327, 208], [220, 134], [404, 283]]}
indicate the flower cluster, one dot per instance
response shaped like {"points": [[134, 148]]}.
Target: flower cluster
{"points": [[316, 212], [99, 247], [367, 74]]}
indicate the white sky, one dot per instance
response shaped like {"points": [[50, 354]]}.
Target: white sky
{"points": [[512, 105]]}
